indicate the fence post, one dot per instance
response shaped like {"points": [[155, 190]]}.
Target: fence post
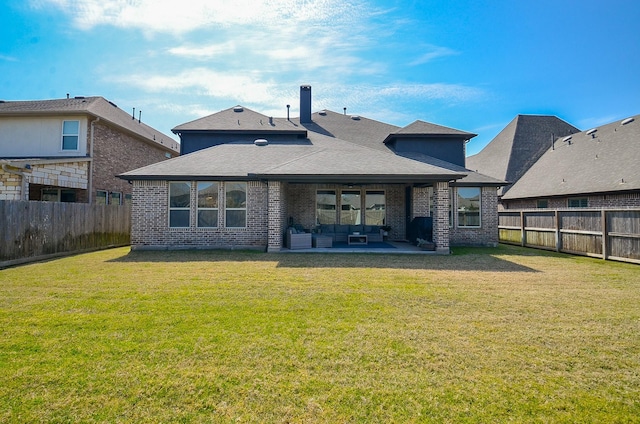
{"points": [[523, 234], [605, 234], [558, 235]]}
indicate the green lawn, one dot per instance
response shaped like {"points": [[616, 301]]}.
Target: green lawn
{"points": [[483, 335]]}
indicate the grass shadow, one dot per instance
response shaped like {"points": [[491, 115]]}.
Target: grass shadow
{"points": [[462, 259]]}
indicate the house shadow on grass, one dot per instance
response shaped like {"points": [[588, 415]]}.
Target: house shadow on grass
{"points": [[484, 260]]}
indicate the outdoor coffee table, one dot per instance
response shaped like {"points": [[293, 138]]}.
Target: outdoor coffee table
{"points": [[353, 239]]}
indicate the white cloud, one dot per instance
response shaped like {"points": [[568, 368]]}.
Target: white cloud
{"points": [[8, 58], [434, 52], [204, 51], [185, 16]]}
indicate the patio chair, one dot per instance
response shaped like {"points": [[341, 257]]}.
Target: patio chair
{"points": [[298, 240]]}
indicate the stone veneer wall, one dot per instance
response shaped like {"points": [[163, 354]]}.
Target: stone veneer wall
{"points": [[63, 174], [150, 220]]}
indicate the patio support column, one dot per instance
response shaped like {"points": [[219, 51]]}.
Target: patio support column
{"points": [[274, 216], [441, 216]]}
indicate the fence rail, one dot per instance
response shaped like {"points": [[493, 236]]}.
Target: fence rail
{"points": [[37, 230], [602, 233]]}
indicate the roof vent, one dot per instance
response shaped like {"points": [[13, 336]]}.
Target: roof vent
{"points": [[567, 139], [627, 121], [238, 109], [261, 142], [323, 113], [79, 97], [355, 117], [591, 131], [113, 104]]}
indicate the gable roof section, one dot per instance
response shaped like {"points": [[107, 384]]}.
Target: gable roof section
{"points": [[239, 119], [322, 159], [509, 155], [94, 106], [599, 162]]}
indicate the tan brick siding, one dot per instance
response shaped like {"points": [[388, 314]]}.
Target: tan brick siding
{"points": [[487, 234]]}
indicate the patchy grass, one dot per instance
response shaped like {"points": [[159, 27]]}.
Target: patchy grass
{"points": [[483, 335]]}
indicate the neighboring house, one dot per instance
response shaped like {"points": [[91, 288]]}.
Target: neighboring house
{"points": [[71, 150], [245, 178], [518, 146], [594, 168]]}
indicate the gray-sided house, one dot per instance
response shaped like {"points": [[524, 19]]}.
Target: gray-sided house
{"points": [[71, 150], [249, 180], [596, 168]]}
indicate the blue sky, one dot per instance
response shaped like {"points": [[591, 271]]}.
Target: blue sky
{"points": [[470, 65]]}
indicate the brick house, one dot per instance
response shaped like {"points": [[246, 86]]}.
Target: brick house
{"points": [[597, 168], [244, 178], [72, 150]]}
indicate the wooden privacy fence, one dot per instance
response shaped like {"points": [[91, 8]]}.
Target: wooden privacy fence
{"points": [[602, 233], [37, 230]]}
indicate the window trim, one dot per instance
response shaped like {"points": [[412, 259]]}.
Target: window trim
{"points": [[199, 208], [118, 197], [376, 192], [335, 204], [76, 135], [479, 208], [539, 202], [106, 197], [580, 200], [351, 191], [182, 208], [227, 209]]}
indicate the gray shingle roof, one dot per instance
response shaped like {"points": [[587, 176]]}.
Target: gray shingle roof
{"points": [[95, 106], [605, 161], [426, 128], [517, 147], [321, 158], [240, 119]]}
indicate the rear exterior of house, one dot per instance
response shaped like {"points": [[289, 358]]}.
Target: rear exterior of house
{"points": [[71, 150], [246, 178]]}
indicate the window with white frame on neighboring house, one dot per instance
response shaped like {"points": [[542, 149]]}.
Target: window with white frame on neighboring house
{"points": [[70, 135], [207, 215], [101, 197], [326, 207], [542, 203], [578, 202], [468, 203], [235, 204], [52, 194], [115, 198], [127, 199], [179, 204]]}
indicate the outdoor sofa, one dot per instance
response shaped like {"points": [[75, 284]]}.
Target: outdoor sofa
{"points": [[339, 232]]}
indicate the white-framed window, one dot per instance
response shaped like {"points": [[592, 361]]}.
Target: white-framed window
{"points": [[70, 135], [326, 207], [52, 194], [235, 204], [468, 203], [127, 199], [101, 197], [350, 207], [207, 215], [115, 198], [179, 204], [578, 202], [375, 207]]}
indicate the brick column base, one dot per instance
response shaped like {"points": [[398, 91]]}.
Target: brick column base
{"points": [[274, 220], [441, 216]]}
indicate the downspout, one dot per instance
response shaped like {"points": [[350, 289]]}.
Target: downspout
{"points": [[90, 165], [23, 180]]}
